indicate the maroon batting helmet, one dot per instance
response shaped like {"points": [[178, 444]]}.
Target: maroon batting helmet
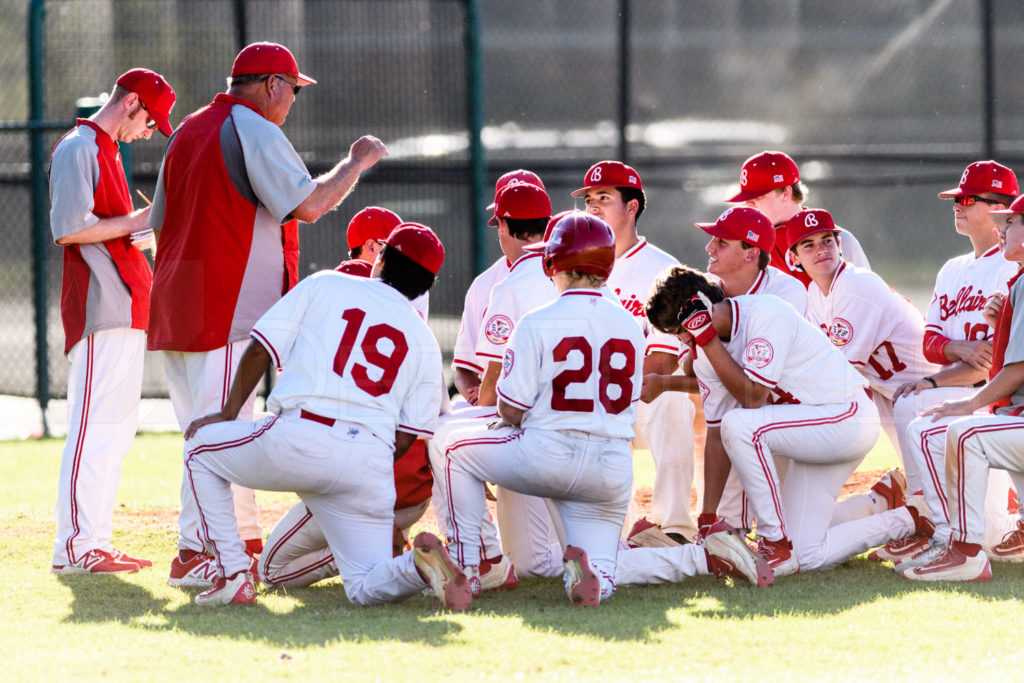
{"points": [[580, 242]]}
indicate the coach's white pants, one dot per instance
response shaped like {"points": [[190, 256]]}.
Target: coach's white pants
{"points": [[973, 445], [927, 447], [343, 474], [199, 384], [104, 387], [824, 445], [587, 478], [297, 554], [666, 423]]}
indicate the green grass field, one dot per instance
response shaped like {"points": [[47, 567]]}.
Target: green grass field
{"points": [[857, 622]]}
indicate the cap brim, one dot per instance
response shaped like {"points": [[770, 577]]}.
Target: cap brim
{"points": [[303, 79], [949, 194], [536, 246], [744, 195], [162, 122], [580, 192], [492, 206], [1001, 216], [493, 222], [715, 231]]}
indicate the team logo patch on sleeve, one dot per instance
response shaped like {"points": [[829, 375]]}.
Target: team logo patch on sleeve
{"points": [[840, 332], [498, 329], [508, 361], [759, 352]]}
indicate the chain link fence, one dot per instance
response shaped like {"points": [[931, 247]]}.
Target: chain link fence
{"points": [[881, 103]]}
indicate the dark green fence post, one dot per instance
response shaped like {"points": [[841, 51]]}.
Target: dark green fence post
{"points": [[624, 92], [988, 79], [475, 122], [40, 201]]}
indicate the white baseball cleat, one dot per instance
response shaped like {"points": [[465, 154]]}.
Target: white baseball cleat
{"points": [[1011, 548], [921, 559], [238, 590], [952, 565], [729, 555], [446, 578], [581, 582], [779, 556], [892, 486], [199, 571], [498, 576], [646, 534], [97, 561]]}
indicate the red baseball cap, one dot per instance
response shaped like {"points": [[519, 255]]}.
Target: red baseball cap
{"points": [[520, 175], [539, 246], [268, 58], [155, 94], [984, 176], [609, 174], [743, 223], [356, 267], [1002, 216], [521, 200], [763, 173], [418, 243], [808, 222], [372, 223]]}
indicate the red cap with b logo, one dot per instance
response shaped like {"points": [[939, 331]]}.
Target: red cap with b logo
{"points": [[763, 173], [745, 224], [984, 176], [520, 175], [610, 174], [807, 223]]}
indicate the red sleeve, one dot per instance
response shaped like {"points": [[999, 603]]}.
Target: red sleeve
{"points": [[934, 347]]}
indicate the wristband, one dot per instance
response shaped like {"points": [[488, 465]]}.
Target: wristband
{"points": [[935, 384]]}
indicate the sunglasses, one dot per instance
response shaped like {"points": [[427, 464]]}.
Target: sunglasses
{"points": [[150, 123], [295, 88], [970, 199]]}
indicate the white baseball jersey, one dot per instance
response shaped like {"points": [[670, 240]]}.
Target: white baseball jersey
{"points": [[473, 312], [525, 288], [778, 348], [962, 286], [877, 330], [575, 364], [374, 363], [771, 280], [631, 280]]}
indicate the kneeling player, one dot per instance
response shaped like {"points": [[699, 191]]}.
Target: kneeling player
{"points": [[750, 349], [570, 381], [357, 386]]}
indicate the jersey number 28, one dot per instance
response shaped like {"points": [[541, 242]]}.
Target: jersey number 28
{"points": [[387, 362], [609, 375]]}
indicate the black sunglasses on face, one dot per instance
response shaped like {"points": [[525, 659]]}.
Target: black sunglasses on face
{"points": [[970, 199]]}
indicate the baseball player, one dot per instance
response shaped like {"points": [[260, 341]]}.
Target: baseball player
{"points": [[613, 192], [770, 182], [229, 192], [105, 311], [527, 534], [468, 368], [977, 443], [750, 349], [570, 380], [958, 337], [360, 381]]}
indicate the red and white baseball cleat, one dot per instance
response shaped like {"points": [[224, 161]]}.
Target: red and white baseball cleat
{"points": [[779, 555], [498, 576], [238, 590], [117, 554], [198, 570], [930, 554], [718, 526], [892, 486], [647, 534], [901, 549], [96, 561], [729, 555], [1011, 548], [446, 578], [582, 583], [952, 565]]}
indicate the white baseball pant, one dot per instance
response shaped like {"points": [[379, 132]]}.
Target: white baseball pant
{"points": [[297, 555], [666, 423], [927, 447], [104, 388], [824, 445], [342, 473], [660, 565], [199, 384], [974, 445], [587, 478]]}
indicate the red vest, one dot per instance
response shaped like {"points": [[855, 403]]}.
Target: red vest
{"points": [[1002, 338]]}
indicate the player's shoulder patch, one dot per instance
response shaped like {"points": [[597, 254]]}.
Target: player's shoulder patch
{"points": [[508, 361], [840, 332], [759, 352], [498, 329]]}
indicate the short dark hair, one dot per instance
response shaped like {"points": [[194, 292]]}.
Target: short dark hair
{"points": [[524, 228], [671, 290], [1003, 199], [763, 259], [404, 274], [800, 192], [630, 193], [354, 252]]}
